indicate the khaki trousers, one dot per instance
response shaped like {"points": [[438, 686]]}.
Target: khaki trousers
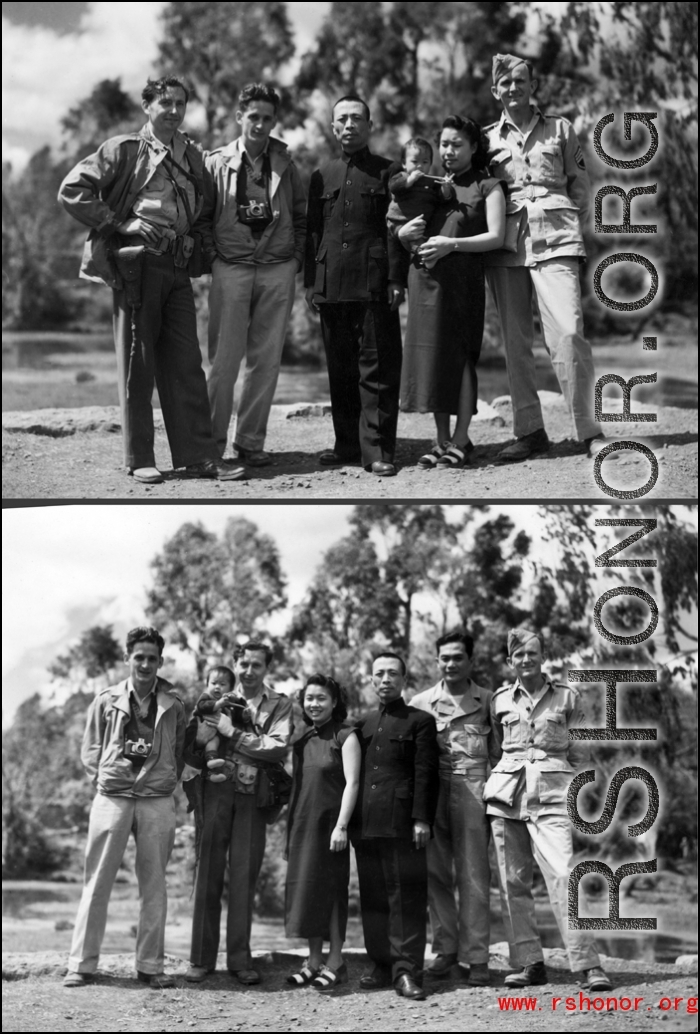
{"points": [[557, 294], [458, 861], [249, 309], [547, 838], [112, 819]]}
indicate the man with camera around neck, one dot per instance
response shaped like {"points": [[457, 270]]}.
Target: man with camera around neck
{"points": [[133, 752], [253, 226]]}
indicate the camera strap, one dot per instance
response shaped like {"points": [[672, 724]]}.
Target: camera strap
{"points": [[141, 727]]}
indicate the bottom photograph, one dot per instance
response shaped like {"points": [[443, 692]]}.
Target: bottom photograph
{"points": [[336, 767]]}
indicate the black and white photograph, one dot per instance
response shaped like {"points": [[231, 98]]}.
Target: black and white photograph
{"points": [[350, 516]]}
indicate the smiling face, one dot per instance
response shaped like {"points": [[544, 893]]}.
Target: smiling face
{"points": [[388, 679], [166, 112], [143, 662], [526, 661], [351, 126], [454, 664], [257, 122], [514, 89], [251, 669], [456, 151], [318, 703]]}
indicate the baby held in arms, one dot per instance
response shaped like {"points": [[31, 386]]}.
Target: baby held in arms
{"points": [[414, 192]]}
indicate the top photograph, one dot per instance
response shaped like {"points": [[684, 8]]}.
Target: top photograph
{"points": [[347, 251]]}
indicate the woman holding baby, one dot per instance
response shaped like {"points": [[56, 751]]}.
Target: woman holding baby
{"points": [[446, 295]]}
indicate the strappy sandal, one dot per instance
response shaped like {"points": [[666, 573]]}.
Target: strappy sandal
{"points": [[328, 979], [455, 456], [305, 975], [430, 460]]}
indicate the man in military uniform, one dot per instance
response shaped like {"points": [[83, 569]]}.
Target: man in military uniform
{"points": [[526, 799], [390, 829], [540, 159], [458, 852], [355, 280], [140, 194]]}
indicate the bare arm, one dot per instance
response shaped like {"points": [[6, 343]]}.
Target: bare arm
{"points": [[351, 755], [437, 247]]}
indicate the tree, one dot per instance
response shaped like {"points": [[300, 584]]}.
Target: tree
{"points": [[207, 592], [219, 47], [95, 655], [105, 112]]}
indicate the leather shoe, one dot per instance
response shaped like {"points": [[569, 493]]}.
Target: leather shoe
{"points": [[383, 470], [147, 475], [479, 975], [533, 974], [522, 448], [158, 981], [441, 966], [78, 979], [596, 979], [253, 457], [330, 458], [196, 974], [246, 976], [375, 980], [221, 471], [406, 987], [597, 443]]}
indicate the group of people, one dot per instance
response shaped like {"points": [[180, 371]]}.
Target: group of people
{"points": [[418, 789], [507, 210]]}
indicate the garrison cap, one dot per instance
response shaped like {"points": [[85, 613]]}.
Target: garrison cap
{"points": [[517, 637], [503, 63]]}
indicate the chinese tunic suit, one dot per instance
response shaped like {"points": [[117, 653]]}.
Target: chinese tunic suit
{"points": [[548, 202], [458, 854], [398, 786], [349, 263], [526, 799]]}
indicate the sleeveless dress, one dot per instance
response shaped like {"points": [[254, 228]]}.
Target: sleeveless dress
{"points": [[316, 876], [446, 305]]}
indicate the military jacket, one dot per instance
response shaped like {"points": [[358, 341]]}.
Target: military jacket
{"points": [[348, 256], [548, 189], [399, 779], [538, 759], [465, 737]]}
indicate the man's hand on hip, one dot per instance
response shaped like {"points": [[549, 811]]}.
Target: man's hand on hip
{"points": [[421, 834]]}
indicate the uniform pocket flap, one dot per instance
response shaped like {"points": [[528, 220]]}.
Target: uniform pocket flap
{"points": [[510, 719], [500, 156]]}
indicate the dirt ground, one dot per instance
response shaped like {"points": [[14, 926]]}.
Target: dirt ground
{"points": [[35, 1000], [77, 454]]}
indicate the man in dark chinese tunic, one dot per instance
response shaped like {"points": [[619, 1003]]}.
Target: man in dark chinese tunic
{"points": [[355, 281], [391, 826]]}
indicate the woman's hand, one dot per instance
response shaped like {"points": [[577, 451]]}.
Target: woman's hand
{"points": [[339, 839], [436, 248], [413, 230]]}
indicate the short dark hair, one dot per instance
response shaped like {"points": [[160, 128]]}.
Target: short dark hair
{"points": [[254, 644], [144, 634], [419, 144], [390, 653], [357, 99], [335, 691], [157, 87], [457, 635], [473, 132], [221, 669], [257, 92]]}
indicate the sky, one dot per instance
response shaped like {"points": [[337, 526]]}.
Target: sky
{"points": [[53, 54], [66, 568]]}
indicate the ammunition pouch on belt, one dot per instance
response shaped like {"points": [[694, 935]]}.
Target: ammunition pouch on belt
{"points": [[128, 258], [183, 248]]}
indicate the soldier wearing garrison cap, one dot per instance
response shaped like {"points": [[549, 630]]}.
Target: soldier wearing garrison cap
{"points": [[540, 159], [526, 801]]}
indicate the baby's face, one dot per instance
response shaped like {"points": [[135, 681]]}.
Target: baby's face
{"points": [[417, 159], [217, 684]]}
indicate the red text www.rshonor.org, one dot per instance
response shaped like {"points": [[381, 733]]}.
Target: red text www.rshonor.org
{"points": [[583, 1003]]}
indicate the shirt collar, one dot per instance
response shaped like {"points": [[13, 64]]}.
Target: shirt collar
{"points": [[178, 143], [506, 122], [357, 156], [519, 690], [143, 703], [393, 706], [250, 157]]}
